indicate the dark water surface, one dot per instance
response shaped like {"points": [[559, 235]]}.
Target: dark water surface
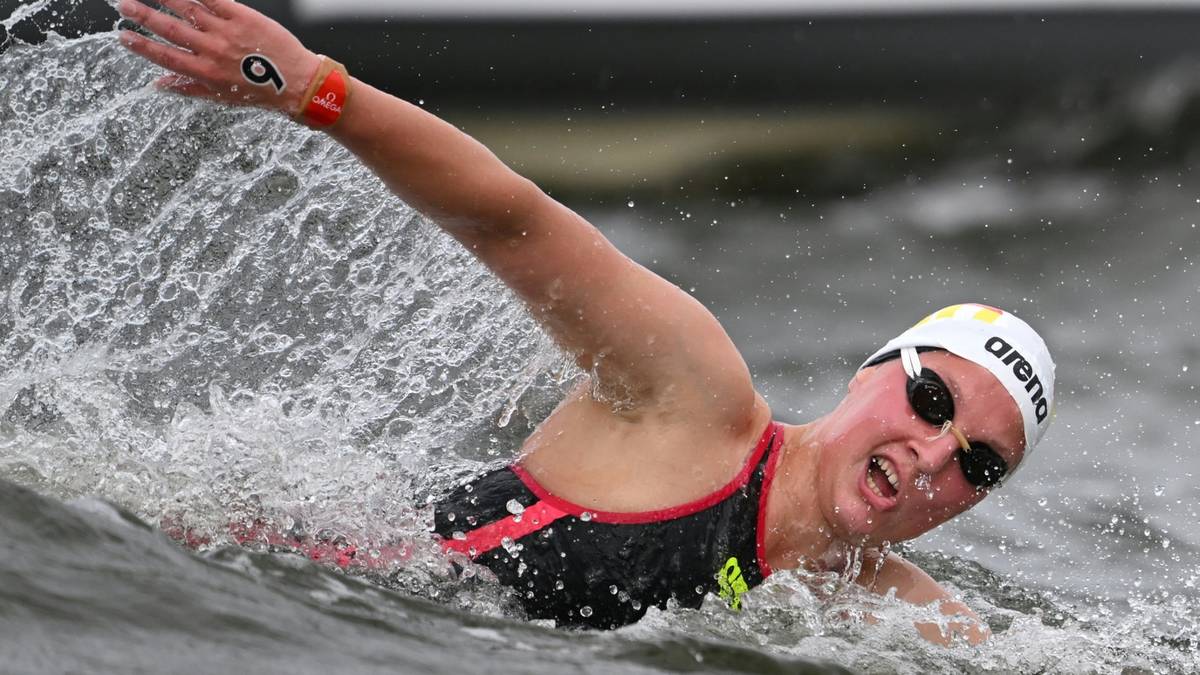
{"points": [[212, 316]]}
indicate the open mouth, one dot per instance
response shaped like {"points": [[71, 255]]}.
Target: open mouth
{"points": [[882, 478]]}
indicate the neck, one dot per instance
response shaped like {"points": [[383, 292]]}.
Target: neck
{"points": [[798, 533]]}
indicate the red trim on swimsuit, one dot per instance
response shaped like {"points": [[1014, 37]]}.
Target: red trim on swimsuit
{"points": [[633, 517], [341, 553], [763, 565], [488, 537]]}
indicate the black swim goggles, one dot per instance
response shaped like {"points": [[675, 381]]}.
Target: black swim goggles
{"points": [[930, 399]]}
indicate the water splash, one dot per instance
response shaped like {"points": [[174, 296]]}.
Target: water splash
{"points": [[214, 314]]}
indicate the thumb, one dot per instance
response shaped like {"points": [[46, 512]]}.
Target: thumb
{"points": [[186, 86]]}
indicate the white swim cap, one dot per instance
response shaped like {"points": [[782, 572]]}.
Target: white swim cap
{"points": [[1007, 346]]}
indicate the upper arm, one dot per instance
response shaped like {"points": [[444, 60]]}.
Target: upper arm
{"points": [[913, 585], [642, 336]]}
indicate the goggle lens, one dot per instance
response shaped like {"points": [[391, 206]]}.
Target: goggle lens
{"points": [[930, 399], [982, 466]]}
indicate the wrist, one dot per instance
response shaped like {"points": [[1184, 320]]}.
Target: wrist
{"points": [[325, 96], [311, 63]]}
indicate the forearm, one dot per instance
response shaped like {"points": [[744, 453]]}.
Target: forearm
{"points": [[434, 167]]}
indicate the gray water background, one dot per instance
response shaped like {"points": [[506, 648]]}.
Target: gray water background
{"points": [[211, 315]]}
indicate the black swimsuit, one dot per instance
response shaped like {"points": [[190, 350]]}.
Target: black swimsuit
{"points": [[601, 569]]}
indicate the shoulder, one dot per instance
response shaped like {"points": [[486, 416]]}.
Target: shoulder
{"points": [[639, 460]]}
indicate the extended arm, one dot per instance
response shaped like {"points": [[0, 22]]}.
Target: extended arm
{"points": [[640, 334]]}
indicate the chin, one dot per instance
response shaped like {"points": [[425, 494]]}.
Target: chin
{"points": [[855, 521], [858, 523]]}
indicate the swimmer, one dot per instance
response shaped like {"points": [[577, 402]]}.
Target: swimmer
{"points": [[664, 476]]}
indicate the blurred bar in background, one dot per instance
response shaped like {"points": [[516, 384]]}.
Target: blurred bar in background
{"points": [[621, 95]]}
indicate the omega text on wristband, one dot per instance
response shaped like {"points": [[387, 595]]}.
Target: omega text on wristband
{"points": [[326, 95]]}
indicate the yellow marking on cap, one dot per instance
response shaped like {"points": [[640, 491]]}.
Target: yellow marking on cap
{"points": [[987, 315], [944, 313], [947, 312]]}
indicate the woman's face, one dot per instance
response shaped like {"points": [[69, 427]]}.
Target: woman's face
{"points": [[875, 429]]}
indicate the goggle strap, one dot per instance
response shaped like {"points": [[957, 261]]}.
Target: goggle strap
{"points": [[962, 439], [910, 361]]}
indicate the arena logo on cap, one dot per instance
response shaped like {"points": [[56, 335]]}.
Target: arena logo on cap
{"points": [[1023, 369]]}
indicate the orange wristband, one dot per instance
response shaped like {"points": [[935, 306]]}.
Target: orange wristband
{"points": [[326, 95]]}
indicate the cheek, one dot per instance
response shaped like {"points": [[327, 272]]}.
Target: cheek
{"points": [[871, 419], [953, 496]]}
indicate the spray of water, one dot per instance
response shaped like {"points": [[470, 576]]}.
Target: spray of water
{"points": [[214, 315]]}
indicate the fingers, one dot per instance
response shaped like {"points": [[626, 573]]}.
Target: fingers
{"points": [[171, 58], [186, 86], [193, 12], [169, 28], [222, 8]]}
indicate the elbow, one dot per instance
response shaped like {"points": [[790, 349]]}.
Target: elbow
{"points": [[500, 212]]}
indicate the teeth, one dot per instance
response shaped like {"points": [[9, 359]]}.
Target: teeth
{"points": [[890, 470], [874, 488]]}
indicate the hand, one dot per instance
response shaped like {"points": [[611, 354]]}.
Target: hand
{"points": [[223, 51]]}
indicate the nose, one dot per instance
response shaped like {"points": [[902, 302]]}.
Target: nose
{"points": [[935, 450]]}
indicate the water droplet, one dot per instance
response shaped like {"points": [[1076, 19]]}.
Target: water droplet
{"points": [[629, 203], [450, 517], [1159, 490], [558, 585], [459, 535], [612, 589], [510, 546], [585, 611], [515, 507], [585, 516], [1010, 515]]}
